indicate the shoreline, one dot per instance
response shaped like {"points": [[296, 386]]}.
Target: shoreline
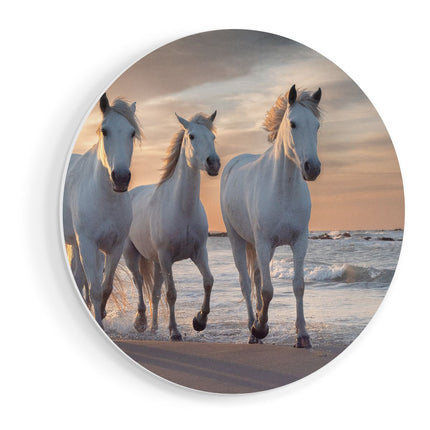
{"points": [[215, 233], [227, 368]]}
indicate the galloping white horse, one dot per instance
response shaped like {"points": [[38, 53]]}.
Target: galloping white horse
{"points": [[96, 206], [265, 203], [169, 223]]}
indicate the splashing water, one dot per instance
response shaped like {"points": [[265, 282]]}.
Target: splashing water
{"points": [[346, 280]]}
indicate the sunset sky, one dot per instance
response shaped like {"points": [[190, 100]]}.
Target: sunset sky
{"points": [[241, 74]]}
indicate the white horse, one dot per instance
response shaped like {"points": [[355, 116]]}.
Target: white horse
{"points": [[169, 223], [96, 205], [265, 203]]}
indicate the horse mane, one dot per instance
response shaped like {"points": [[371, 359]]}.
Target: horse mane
{"points": [[174, 148], [275, 115], [121, 107]]}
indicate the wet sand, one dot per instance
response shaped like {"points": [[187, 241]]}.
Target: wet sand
{"points": [[227, 368]]}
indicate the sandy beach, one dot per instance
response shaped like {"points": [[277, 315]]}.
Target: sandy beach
{"points": [[227, 368]]}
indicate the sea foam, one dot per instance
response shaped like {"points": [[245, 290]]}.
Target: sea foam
{"points": [[347, 273]]}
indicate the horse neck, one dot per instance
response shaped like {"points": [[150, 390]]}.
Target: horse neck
{"points": [[185, 184], [286, 174]]}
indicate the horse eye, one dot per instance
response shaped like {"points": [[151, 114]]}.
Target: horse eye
{"points": [[104, 132], [133, 134], [191, 136], [292, 124]]}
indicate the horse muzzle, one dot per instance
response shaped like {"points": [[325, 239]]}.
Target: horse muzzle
{"points": [[311, 170], [213, 165], [120, 180]]}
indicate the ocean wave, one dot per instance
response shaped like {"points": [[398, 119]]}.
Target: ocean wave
{"points": [[384, 235], [335, 235], [346, 273]]}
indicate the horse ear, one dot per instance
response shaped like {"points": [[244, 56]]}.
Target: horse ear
{"points": [[104, 103], [183, 121], [317, 95], [133, 107], [292, 95], [212, 117]]}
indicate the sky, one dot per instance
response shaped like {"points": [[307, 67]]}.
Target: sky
{"points": [[240, 74]]}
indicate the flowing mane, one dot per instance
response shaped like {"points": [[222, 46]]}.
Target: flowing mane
{"points": [[276, 114], [121, 107], [174, 149]]}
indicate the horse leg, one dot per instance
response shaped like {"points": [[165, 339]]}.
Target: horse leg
{"points": [[100, 264], [257, 283], [238, 246], [259, 304], [253, 268], [260, 328], [155, 296], [89, 259], [111, 263], [201, 261], [299, 249], [87, 295], [166, 270], [79, 274], [132, 257]]}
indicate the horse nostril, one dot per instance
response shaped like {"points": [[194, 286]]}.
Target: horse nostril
{"points": [[121, 177], [307, 167], [213, 165], [213, 162]]}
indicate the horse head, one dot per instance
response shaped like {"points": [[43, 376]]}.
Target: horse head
{"points": [[199, 144], [301, 124], [117, 133]]}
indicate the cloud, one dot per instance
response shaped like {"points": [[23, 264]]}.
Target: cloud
{"points": [[241, 74]]}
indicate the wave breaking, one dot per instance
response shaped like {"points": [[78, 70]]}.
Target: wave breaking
{"points": [[345, 273]]}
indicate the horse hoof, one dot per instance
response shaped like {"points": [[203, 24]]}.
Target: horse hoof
{"points": [[252, 340], [303, 342], [176, 337], [197, 325], [140, 324], [258, 332]]}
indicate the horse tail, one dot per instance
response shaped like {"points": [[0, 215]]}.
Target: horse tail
{"points": [[121, 281], [123, 278], [251, 261], [146, 269]]}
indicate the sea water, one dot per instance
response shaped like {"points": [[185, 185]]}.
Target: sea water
{"points": [[346, 273]]}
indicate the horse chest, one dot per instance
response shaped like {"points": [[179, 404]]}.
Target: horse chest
{"points": [[109, 234], [184, 242], [286, 233], [107, 240], [283, 221], [110, 227]]}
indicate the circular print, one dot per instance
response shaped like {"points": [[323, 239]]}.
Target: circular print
{"points": [[233, 211]]}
